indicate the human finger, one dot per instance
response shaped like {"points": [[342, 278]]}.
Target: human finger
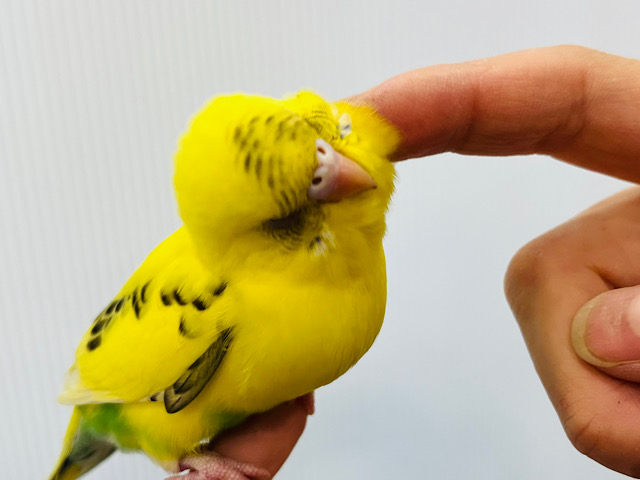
{"points": [[267, 439], [606, 333], [548, 281], [576, 104]]}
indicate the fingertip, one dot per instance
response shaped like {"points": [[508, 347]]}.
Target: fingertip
{"points": [[606, 333], [579, 328], [307, 402]]}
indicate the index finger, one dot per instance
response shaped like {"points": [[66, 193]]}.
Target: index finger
{"points": [[576, 104]]}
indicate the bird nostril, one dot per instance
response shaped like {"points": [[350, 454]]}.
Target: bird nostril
{"points": [[322, 150], [316, 180]]}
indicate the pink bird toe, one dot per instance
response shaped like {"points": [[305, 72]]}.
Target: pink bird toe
{"points": [[211, 466]]}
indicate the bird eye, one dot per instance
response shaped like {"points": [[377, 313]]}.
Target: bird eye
{"points": [[344, 125], [293, 222]]}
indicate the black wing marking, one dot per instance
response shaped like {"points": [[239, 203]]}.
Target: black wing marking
{"points": [[191, 383]]}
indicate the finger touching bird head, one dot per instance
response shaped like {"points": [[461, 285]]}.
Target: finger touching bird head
{"points": [[282, 173]]}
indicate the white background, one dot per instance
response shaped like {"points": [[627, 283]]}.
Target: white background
{"points": [[93, 95]]}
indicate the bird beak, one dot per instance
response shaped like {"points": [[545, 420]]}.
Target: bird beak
{"points": [[337, 177]]}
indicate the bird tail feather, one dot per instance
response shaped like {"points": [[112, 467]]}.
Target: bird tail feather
{"points": [[81, 451]]}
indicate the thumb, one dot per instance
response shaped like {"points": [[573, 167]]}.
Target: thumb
{"points": [[606, 333]]}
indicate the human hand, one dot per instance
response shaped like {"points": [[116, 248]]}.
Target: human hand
{"points": [[582, 107], [548, 281]]}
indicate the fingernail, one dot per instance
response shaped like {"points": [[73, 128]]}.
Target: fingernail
{"points": [[606, 330]]}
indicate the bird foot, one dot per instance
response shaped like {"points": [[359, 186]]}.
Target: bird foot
{"points": [[212, 466]]}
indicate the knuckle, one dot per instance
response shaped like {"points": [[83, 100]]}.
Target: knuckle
{"points": [[528, 271]]}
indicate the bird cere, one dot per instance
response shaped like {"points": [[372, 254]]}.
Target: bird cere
{"points": [[274, 286]]}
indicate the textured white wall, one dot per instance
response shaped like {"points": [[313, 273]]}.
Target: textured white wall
{"points": [[93, 95]]}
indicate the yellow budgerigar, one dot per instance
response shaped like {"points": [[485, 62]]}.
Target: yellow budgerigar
{"points": [[274, 286]]}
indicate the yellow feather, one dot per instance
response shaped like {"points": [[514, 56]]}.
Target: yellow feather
{"points": [[300, 303]]}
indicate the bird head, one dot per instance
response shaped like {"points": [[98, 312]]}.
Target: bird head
{"points": [[294, 175]]}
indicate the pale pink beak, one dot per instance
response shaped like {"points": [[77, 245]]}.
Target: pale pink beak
{"points": [[337, 177]]}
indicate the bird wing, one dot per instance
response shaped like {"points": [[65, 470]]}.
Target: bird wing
{"points": [[161, 338]]}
